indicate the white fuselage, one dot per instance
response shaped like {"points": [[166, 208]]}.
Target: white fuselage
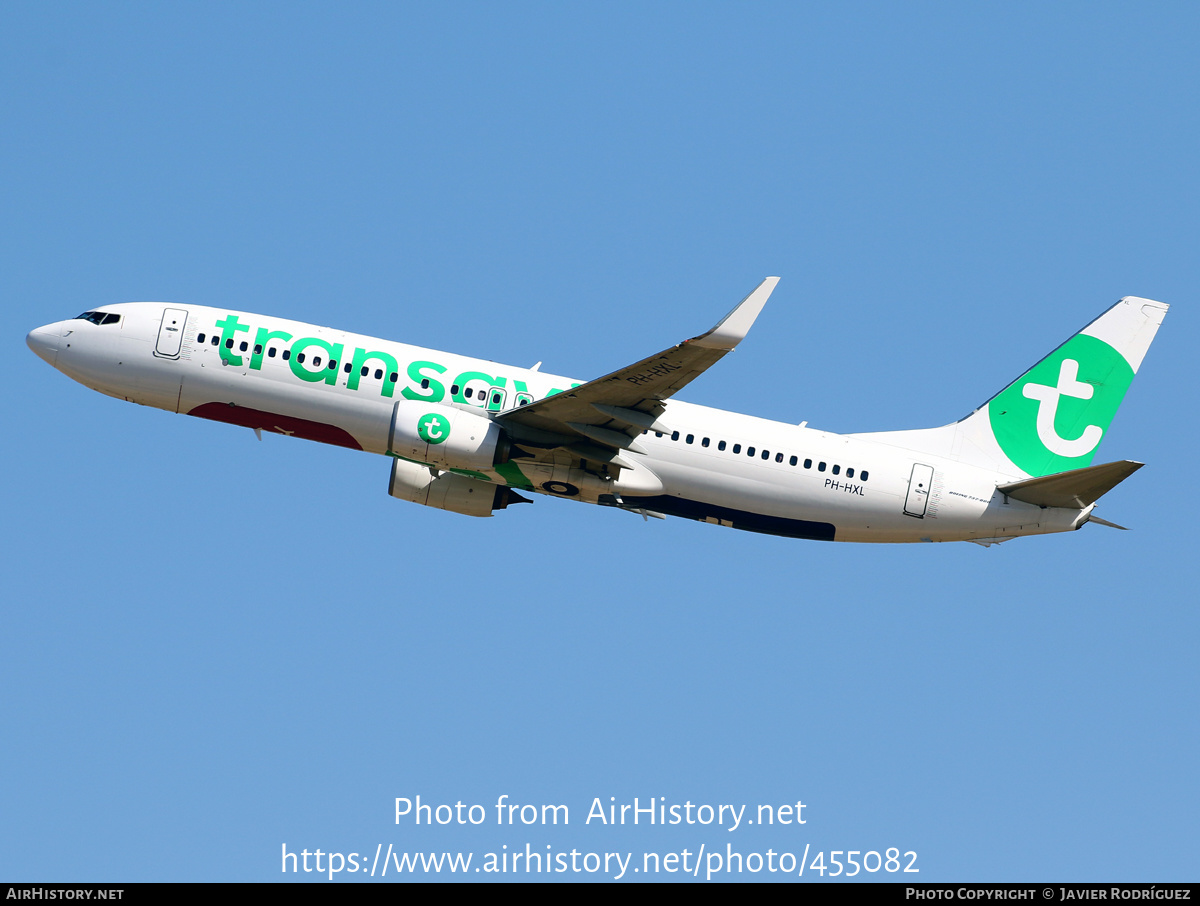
{"points": [[718, 466]]}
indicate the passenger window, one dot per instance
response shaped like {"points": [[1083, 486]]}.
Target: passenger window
{"points": [[271, 353], [495, 399], [658, 434], [454, 389], [347, 368], [690, 438], [287, 354], [766, 454], [300, 358], [258, 349], [393, 377], [821, 467], [379, 374], [850, 473], [704, 443], [779, 457], [424, 381], [750, 451], [244, 346], [793, 461], [721, 446], [674, 435], [316, 361], [229, 343], [737, 448], [215, 340], [333, 364], [200, 339], [862, 476], [468, 393], [837, 470], [808, 463]]}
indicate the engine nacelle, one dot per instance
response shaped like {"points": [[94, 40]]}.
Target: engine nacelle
{"points": [[448, 491], [444, 437]]}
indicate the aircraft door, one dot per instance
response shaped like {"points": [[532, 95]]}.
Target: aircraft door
{"points": [[170, 333], [496, 400], [918, 491]]}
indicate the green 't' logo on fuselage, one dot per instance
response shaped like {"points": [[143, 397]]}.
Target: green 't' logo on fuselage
{"points": [[433, 428], [1053, 418]]}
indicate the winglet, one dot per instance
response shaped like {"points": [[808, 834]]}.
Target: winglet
{"points": [[734, 326]]}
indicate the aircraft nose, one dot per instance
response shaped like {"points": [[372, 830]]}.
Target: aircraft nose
{"points": [[44, 342]]}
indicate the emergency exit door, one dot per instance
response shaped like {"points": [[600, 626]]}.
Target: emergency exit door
{"points": [[918, 491]]}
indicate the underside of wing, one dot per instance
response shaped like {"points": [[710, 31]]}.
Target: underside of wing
{"points": [[598, 421]]}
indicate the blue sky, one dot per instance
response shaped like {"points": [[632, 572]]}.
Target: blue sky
{"points": [[215, 646]]}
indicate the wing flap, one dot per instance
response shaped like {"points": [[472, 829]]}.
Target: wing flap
{"points": [[632, 417]]}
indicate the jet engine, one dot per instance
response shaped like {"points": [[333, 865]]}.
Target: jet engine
{"points": [[445, 437], [448, 491]]}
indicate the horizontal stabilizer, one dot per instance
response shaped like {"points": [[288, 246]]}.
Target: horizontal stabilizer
{"points": [[1077, 488]]}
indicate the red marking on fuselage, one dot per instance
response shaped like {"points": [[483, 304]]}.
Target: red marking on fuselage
{"points": [[276, 424]]}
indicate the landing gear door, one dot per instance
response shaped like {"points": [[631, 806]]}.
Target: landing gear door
{"points": [[918, 491], [170, 333]]}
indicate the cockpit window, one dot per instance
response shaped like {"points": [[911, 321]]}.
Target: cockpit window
{"points": [[98, 317]]}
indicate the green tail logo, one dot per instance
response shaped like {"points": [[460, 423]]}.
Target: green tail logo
{"points": [[1053, 417]]}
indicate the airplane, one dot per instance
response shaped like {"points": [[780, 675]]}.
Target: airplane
{"points": [[472, 436]]}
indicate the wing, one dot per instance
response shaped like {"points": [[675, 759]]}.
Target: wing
{"points": [[597, 420]]}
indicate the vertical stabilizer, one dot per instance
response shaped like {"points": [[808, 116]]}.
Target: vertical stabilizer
{"points": [[1053, 417]]}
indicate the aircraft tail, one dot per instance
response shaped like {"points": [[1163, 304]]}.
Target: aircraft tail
{"points": [[1052, 418], [1076, 489]]}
